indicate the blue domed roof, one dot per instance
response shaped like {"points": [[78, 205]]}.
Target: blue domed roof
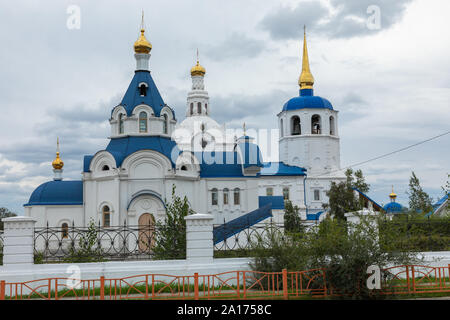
{"points": [[307, 100], [57, 193], [393, 207]]}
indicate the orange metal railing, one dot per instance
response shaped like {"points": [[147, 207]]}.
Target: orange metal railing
{"points": [[406, 279]]}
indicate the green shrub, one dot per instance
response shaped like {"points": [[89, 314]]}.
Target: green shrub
{"points": [[343, 249]]}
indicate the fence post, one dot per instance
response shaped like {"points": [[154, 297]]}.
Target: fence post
{"points": [[413, 279], [196, 286], [199, 238], [237, 283], [407, 278], [285, 284], [102, 288], [18, 241], [2, 289]]}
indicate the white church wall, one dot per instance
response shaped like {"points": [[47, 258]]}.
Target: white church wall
{"points": [[55, 215]]}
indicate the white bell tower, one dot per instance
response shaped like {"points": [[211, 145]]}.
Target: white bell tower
{"points": [[309, 137], [197, 99]]}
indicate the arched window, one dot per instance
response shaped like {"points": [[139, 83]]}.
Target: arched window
{"points": [[143, 121], [237, 196], [120, 123], [192, 108], [106, 216], [199, 108], [214, 197], [206, 108], [183, 168], [295, 126], [64, 230], [315, 124], [143, 90], [269, 191], [286, 193], [225, 195], [281, 128], [165, 124], [105, 167], [332, 129]]}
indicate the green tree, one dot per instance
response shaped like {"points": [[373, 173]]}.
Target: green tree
{"points": [[341, 198], [292, 219], [419, 200], [170, 241], [5, 213]]}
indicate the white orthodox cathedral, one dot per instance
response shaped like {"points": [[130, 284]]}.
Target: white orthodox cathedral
{"points": [[150, 151]]}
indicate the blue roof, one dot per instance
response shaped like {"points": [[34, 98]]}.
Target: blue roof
{"points": [[367, 197], [277, 202], [226, 230], [219, 164], [251, 154], [307, 100], [437, 205], [132, 97], [281, 169], [120, 148], [393, 207], [440, 202], [57, 193], [314, 216]]}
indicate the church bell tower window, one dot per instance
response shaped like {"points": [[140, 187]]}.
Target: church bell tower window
{"points": [[295, 122], [315, 124], [143, 90]]}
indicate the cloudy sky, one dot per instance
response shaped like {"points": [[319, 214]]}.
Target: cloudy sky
{"points": [[391, 84]]}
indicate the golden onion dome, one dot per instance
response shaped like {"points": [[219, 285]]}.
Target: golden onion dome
{"points": [[198, 70], [392, 195], [142, 45], [57, 163]]}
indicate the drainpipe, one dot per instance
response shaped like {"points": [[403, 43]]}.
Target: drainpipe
{"points": [[304, 195]]}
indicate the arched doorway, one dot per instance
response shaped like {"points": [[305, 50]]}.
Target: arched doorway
{"points": [[146, 232]]}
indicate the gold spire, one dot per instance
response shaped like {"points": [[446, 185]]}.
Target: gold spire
{"points": [[306, 80], [198, 70], [57, 163], [392, 195], [142, 45]]}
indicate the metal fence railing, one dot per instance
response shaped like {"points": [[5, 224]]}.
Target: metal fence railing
{"points": [[246, 284], [242, 237], [97, 243]]}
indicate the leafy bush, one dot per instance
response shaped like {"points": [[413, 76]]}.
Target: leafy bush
{"points": [[170, 242], [343, 249], [89, 249]]}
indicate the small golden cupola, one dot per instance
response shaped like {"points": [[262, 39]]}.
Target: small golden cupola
{"points": [[57, 164], [392, 195], [198, 70], [306, 80], [142, 45]]}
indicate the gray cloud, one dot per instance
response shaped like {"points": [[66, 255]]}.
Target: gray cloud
{"points": [[346, 19], [236, 45]]}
